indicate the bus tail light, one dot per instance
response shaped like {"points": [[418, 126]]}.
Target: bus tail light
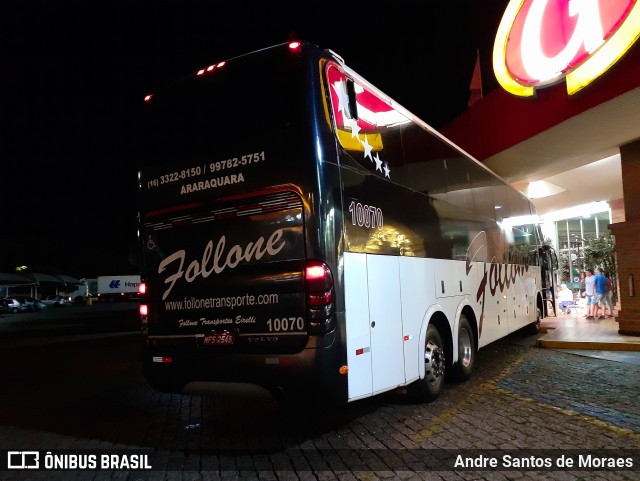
{"points": [[144, 316], [320, 297], [144, 308]]}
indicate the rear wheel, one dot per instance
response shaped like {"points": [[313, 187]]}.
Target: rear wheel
{"points": [[428, 388], [466, 351]]}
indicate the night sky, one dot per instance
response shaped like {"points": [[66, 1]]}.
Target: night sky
{"points": [[74, 74]]}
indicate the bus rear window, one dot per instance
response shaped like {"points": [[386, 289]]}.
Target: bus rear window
{"points": [[201, 114]]}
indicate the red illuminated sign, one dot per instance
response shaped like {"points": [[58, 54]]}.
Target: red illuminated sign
{"points": [[540, 42]]}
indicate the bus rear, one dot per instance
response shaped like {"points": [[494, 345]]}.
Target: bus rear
{"points": [[238, 292]]}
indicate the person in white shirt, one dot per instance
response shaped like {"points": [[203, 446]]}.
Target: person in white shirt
{"points": [[590, 290], [565, 297]]}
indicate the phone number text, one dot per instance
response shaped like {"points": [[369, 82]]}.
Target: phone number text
{"points": [[217, 166]]}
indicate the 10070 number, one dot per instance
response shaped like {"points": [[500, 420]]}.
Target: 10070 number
{"points": [[366, 215], [285, 324]]}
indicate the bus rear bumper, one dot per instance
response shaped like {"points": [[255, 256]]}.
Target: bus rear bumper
{"points": [[313, 370]]}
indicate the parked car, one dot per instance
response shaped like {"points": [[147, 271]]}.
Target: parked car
{"points": [[9, 304], [39, 305], [55, 301], [31, 303]]}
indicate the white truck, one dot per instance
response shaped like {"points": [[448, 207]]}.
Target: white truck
{"points": [[118, 288], [88, 288], [79, 294]]}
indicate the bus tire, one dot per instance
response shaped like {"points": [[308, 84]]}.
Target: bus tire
{"points": [[462, 369], [428, 388]]}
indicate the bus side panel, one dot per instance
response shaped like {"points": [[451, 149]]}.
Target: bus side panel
{"points": [[417, 287], [385, 317], [494, 323], [516, 299], [374, 324], [357, 326], [525, 289], [451, 278]]}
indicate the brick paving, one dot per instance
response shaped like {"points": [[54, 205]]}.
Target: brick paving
{"points": [[91, 395]]}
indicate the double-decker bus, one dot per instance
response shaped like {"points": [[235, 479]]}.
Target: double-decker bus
{"points": [[302, 232]]}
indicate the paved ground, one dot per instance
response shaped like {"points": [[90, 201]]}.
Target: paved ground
{"points": [[88, 392]]}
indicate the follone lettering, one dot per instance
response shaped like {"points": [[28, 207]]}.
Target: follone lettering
{"points": [[235, 255]]}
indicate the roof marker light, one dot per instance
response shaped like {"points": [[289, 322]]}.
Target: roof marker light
{"points": [[147, 97], [200, 72], [294, 45], [221, 64], [210, 68]]}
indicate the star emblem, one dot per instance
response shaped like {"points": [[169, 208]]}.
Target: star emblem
{"points": [[387, 171], [378, 162], [355, 129], [367, 148], [340, 89]]}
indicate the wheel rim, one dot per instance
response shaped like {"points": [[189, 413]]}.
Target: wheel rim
{"points": [[433, 362], [464, 348]]}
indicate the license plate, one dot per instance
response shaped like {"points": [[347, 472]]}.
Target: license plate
{"points": [[219, 339]]}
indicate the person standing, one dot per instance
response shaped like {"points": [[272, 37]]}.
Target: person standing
{"points": [[600, 288], [590, 292], [608, 298]]}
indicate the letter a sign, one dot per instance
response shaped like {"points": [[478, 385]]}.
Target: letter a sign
{"points": [[540, 42]]}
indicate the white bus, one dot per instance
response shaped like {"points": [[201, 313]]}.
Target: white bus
{"points": [[304, 233]]}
